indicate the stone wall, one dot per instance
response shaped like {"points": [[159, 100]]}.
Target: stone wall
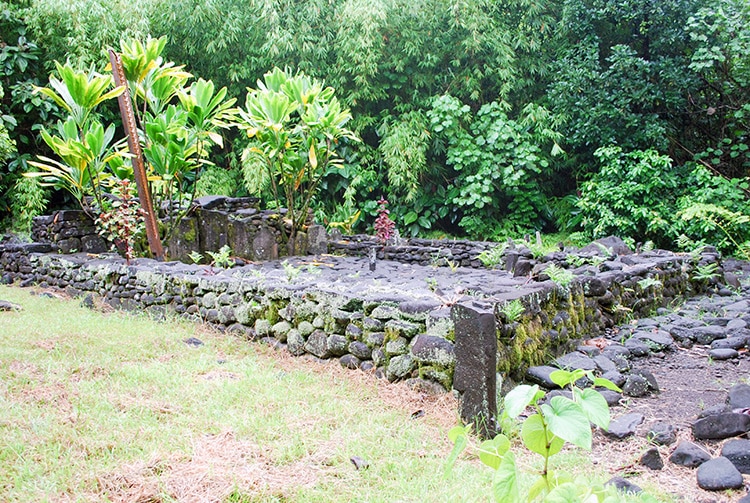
{"points": [[395, 320], [428, 252], [214, 221], [68, 231]]}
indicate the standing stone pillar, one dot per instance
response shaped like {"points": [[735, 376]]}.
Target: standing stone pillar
{"points": [[475, 377]]}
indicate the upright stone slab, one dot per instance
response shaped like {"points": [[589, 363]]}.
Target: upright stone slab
{"points": [[476, 363], [240, 236], [214, 226], [264, 245], [317, 240], [185, 240]]}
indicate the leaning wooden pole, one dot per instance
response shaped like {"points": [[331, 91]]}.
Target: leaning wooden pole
{"points": [[141, 181]]}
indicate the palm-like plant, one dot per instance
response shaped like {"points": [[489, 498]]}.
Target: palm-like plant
{"points": [[79, 92], [295, 124], [82, 143]]}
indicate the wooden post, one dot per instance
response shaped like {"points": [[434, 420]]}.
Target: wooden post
{"points": [[139, 169]]}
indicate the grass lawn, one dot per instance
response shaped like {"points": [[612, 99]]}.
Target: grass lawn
{"points": [[116, 407]]}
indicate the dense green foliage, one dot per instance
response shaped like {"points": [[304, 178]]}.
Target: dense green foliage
{"points": [[459, 104]]}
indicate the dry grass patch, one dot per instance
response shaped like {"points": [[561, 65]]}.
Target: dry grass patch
{"points": [[220, 466]]}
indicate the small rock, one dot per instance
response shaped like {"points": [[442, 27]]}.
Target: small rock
{"points": [[723, 354], [575, 360], [661, 433], [615, 377], [624, 426], [689, 454], [652, 460], [721, 426], [622, 364], [706, 335], [360, 350], [637, 347], [729, 343], [400, 366], [736, 324], [540, 375], [430, 388], [719, 474], [739, 396], [9, 306], [350, 362], [273, 343], [359, 463], [648, 376], [612, 397], [714, 410], [623, 485], [605, 364], [88, 302], [193, 342], [591, 351], [636, 386], [659, 340], [738, 452]]}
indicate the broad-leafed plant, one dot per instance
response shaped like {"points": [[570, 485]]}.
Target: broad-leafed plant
{"points": [[552, 423], [294, 124]]}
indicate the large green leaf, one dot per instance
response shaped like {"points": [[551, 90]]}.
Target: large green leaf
{"points": [[519, 398], [457, 435], [594, 406], [505, 482], [567, 420], [491, 451], [539, 439], [600, 382], [564, 377]]}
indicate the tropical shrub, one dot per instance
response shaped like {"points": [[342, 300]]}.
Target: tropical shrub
{"points": [[178, 126], [294, 124], [721, 105], [499, 162], [633, 195]]}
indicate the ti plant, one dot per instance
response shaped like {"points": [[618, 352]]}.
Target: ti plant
{"points": [[295, 125], [385, 228], [553, 423], [178, 124], [85, 148]]}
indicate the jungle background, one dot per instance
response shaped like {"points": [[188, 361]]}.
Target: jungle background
{"points": [[477, 118]]}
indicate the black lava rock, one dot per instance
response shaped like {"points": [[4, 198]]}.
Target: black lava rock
{"points": [[623, 485], [718, 474], [624, 426], [652, 460], [738, 452], [662, 433], [689, 454], [720, 426]]}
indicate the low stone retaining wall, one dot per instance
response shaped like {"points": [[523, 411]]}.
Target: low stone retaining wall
{"points": [[427, 252], [402, 321]]}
